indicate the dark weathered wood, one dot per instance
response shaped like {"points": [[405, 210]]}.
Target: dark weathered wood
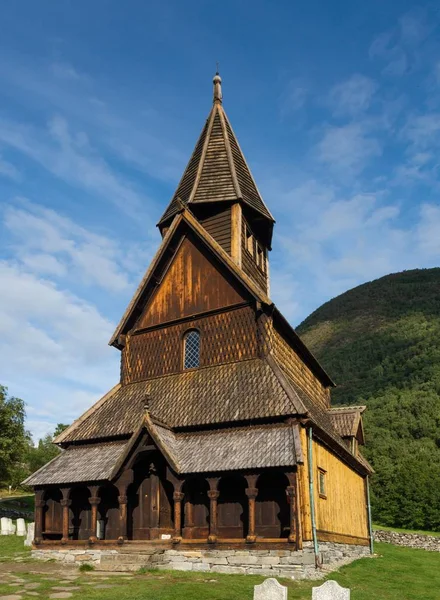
{"points": [[192, 284]]}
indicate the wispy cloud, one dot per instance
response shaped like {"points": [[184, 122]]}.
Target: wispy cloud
{"points": [[48, 243], [348, 149], [8, 170], [353, 96]]}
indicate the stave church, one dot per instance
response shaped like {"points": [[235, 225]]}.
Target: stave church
{"points": [[220, 435]]}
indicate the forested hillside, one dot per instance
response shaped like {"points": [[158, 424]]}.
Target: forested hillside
{"points": [[381, 344]]}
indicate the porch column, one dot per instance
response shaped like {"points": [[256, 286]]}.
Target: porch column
{"points": [[39, 508], [291, 492], [123, 501], [94, 501], [177, 497], [213, 495], [65, 503], [251, 493]]}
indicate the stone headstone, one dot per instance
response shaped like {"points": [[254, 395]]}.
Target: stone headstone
{"points": [[330, 590], [30, 534], [100, 529], [21, 527], [4, 526], [270, 589]]}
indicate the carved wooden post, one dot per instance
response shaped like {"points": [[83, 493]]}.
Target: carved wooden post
{"points": [[177, 497], [39, 508], [293, 516], [213, 495], [122, 484], [65, 503], [94, 501], [251, 493], [123, 501]]}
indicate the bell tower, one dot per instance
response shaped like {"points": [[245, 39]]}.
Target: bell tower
{"points": [[218, 188]]}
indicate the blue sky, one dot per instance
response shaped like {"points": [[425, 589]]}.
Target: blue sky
{"points": [[336, 106]]}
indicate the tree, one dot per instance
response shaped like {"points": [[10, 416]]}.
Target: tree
{"points": [[14, 439], [45, 450]]}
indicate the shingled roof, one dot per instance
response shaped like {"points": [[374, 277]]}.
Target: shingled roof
{"points": [[227, 393], [78, 464], [217, 170], [346, 420], [230, 449]]}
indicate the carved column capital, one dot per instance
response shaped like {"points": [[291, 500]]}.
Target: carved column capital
{"points": [[178, 496], [213, 494], [65, 502], [122, 500], [291, 491], [94, 500], [252, 492], [40, 503]]}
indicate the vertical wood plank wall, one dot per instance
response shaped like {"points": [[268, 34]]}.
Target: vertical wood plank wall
{"points": [[218, 225], [343, 512]]}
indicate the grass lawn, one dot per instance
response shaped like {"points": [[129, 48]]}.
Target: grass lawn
{"points": [[396, 573]]}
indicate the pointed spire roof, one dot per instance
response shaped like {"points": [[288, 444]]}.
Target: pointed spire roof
{"points": [[217, 170]]}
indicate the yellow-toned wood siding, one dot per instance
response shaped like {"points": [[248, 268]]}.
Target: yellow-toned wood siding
{"points": [[292, 364], [344, 510]]}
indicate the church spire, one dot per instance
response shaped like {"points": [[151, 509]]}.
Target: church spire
{"points": [[217, 174]]}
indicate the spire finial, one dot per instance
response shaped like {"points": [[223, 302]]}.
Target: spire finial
{"points": [[217, 81]]}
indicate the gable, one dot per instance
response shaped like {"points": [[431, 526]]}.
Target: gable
{"points": [[192, 284]]}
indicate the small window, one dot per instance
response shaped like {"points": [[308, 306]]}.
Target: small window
{"points": [[322, 475], [261, 258], [191, 349], [249, 242]]}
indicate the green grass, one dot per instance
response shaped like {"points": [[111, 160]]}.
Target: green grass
{"points": [[418, 531], [396, 573], [12, 546]]}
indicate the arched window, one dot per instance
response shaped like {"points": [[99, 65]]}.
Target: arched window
{"points": [[191, 349]]}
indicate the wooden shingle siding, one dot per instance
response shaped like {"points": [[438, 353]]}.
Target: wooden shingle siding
{"points": [[248, 188], [292, 364], [219, 226], [225, 337], [186, 184], [215, 181]]}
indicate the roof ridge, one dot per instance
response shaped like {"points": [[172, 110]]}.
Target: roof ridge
{"points": [[210, 123], [236, 183], [59, 439]]}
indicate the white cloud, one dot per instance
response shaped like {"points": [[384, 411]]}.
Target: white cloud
{"points": [[70, 157], [353, 96], [48, 243], [8, 170], [348, 149], [294, 97], [53, 346]]}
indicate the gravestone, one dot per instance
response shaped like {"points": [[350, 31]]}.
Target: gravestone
{"points": [[21, 527], [100, 529], [330, 590], [4, 526], [270, 589], [30, 534]]}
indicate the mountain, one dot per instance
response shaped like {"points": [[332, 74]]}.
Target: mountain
{"points": [[380, 342]]}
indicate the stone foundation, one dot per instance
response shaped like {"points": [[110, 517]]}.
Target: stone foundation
{"points": [[271, 563]]}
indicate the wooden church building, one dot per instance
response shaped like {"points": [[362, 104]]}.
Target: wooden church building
{"points": [[220, 433]]}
